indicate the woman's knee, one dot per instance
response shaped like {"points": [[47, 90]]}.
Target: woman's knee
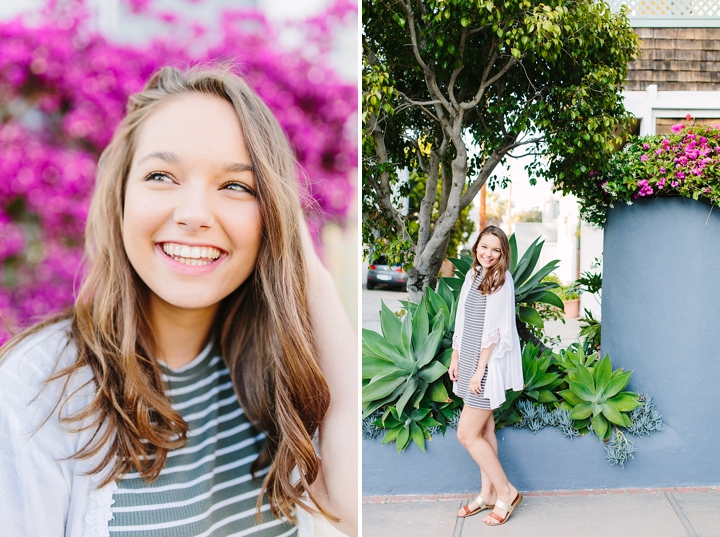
{"points": [[464, 436]]}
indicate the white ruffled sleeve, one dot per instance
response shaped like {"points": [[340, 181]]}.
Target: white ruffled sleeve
{"points": [[505, 364], [499, 327]]}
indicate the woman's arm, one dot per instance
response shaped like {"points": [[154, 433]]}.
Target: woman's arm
{"points": [[476, 379], [337, 485]]}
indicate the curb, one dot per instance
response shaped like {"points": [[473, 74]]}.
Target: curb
{"points": [[407, 498]]}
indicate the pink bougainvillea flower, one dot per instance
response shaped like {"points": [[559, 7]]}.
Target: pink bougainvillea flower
{"points": [[643, 158], [677, 128], [688, 117], [69, 87]]}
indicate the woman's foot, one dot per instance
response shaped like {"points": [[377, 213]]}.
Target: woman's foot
{"points": [[474, 506], [511, 499]]}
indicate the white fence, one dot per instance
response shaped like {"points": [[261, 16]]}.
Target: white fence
{"points": [[671, 13]]}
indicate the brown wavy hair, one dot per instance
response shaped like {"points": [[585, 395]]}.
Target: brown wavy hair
{"points": [[494, 278], [262, 329]]}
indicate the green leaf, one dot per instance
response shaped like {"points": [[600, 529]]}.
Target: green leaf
{"points": [[377, 344], [428, 348], [624, 402], [545, 297], [437, 392], [390, 325], [602, 373], [419, 414], [585, 376], [581, 390], [420, 326], [615, 416], [374, 405], [445, 357], [380, 389], [403, 439], [391, 435], [419, 393], [601, 427], [417, 436], [581, 411], [407, 394], [570, 397], [372, 366], [406, 336], [513, 253], [432, 372], [546, 396], [437, 302], [429, 421], [531, 316], [527, 263], [617, 384]]}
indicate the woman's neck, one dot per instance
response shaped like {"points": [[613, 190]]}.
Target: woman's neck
{"points": [[180, 334]]}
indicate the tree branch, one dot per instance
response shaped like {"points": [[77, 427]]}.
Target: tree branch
{"points": [[430, 80]]}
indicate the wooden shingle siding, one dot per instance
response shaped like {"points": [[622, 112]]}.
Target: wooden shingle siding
{"points": [[677, 59], [663, 125]]}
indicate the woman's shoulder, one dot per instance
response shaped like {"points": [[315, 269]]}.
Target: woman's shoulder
{"points": [[34, 357], [26, 368]]}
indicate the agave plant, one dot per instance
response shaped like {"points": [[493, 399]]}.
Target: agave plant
{"points": [[402, 428], [403, 372], [598, 393], [539, 383], [529, 287]]}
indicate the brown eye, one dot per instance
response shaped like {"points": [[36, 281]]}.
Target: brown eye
{"points": [[159, 177], [238, 187]]}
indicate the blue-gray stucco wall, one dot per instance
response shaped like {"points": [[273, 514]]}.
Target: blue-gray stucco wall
{"points": [[661, 318]]}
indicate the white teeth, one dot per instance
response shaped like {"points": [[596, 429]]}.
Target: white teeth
{"points": [[194, 256]]}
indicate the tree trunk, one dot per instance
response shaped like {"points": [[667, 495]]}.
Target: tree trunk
{"points": [[425, 275]]}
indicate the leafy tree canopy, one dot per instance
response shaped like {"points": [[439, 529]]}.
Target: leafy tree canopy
{"points": [[453, 88]]}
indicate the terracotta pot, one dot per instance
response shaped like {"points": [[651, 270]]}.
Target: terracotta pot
{"points": [[572, 308]]}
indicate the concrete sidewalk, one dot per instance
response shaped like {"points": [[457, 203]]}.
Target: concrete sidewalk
{"points": [[669, 512]]}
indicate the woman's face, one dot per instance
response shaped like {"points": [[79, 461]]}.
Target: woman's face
{"points": [[488, 251], [192, 224]]}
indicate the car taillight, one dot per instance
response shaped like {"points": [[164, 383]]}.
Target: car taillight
{"points": [[372, 267], [399, 269]]}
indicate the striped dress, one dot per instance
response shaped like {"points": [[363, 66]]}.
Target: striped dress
{"points": [[205, 488], [470, 348]]}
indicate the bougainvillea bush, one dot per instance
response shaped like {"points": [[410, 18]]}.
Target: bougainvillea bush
{"points": [[63, 89], [684, 163]]}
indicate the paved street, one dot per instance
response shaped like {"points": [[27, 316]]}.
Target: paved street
{"points": [[619, 513]]}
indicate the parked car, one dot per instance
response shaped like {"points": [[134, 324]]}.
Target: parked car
{"points": [[380, 273]]}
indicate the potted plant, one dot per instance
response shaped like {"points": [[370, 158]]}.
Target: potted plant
{"points": [[571, 300]]}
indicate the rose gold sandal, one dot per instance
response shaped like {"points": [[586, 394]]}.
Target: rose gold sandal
{"points": [[509, 508], [482, 507]]}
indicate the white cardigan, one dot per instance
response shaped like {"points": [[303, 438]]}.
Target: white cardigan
{"points": [[42, 488], [505, 364]]}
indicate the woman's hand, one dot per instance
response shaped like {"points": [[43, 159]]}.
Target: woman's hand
{"points": [[476, 381], [453, 369]]}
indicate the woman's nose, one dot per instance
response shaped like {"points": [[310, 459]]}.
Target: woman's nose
{"points": [[193, 211]]}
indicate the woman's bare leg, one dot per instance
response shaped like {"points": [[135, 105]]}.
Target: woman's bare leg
{"points": [[476, 432]]}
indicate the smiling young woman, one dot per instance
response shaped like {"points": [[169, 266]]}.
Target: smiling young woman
{"points": [[203, 369], [486, 361]]}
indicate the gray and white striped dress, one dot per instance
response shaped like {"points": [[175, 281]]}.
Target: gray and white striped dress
{"points": [[470, 348]]}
